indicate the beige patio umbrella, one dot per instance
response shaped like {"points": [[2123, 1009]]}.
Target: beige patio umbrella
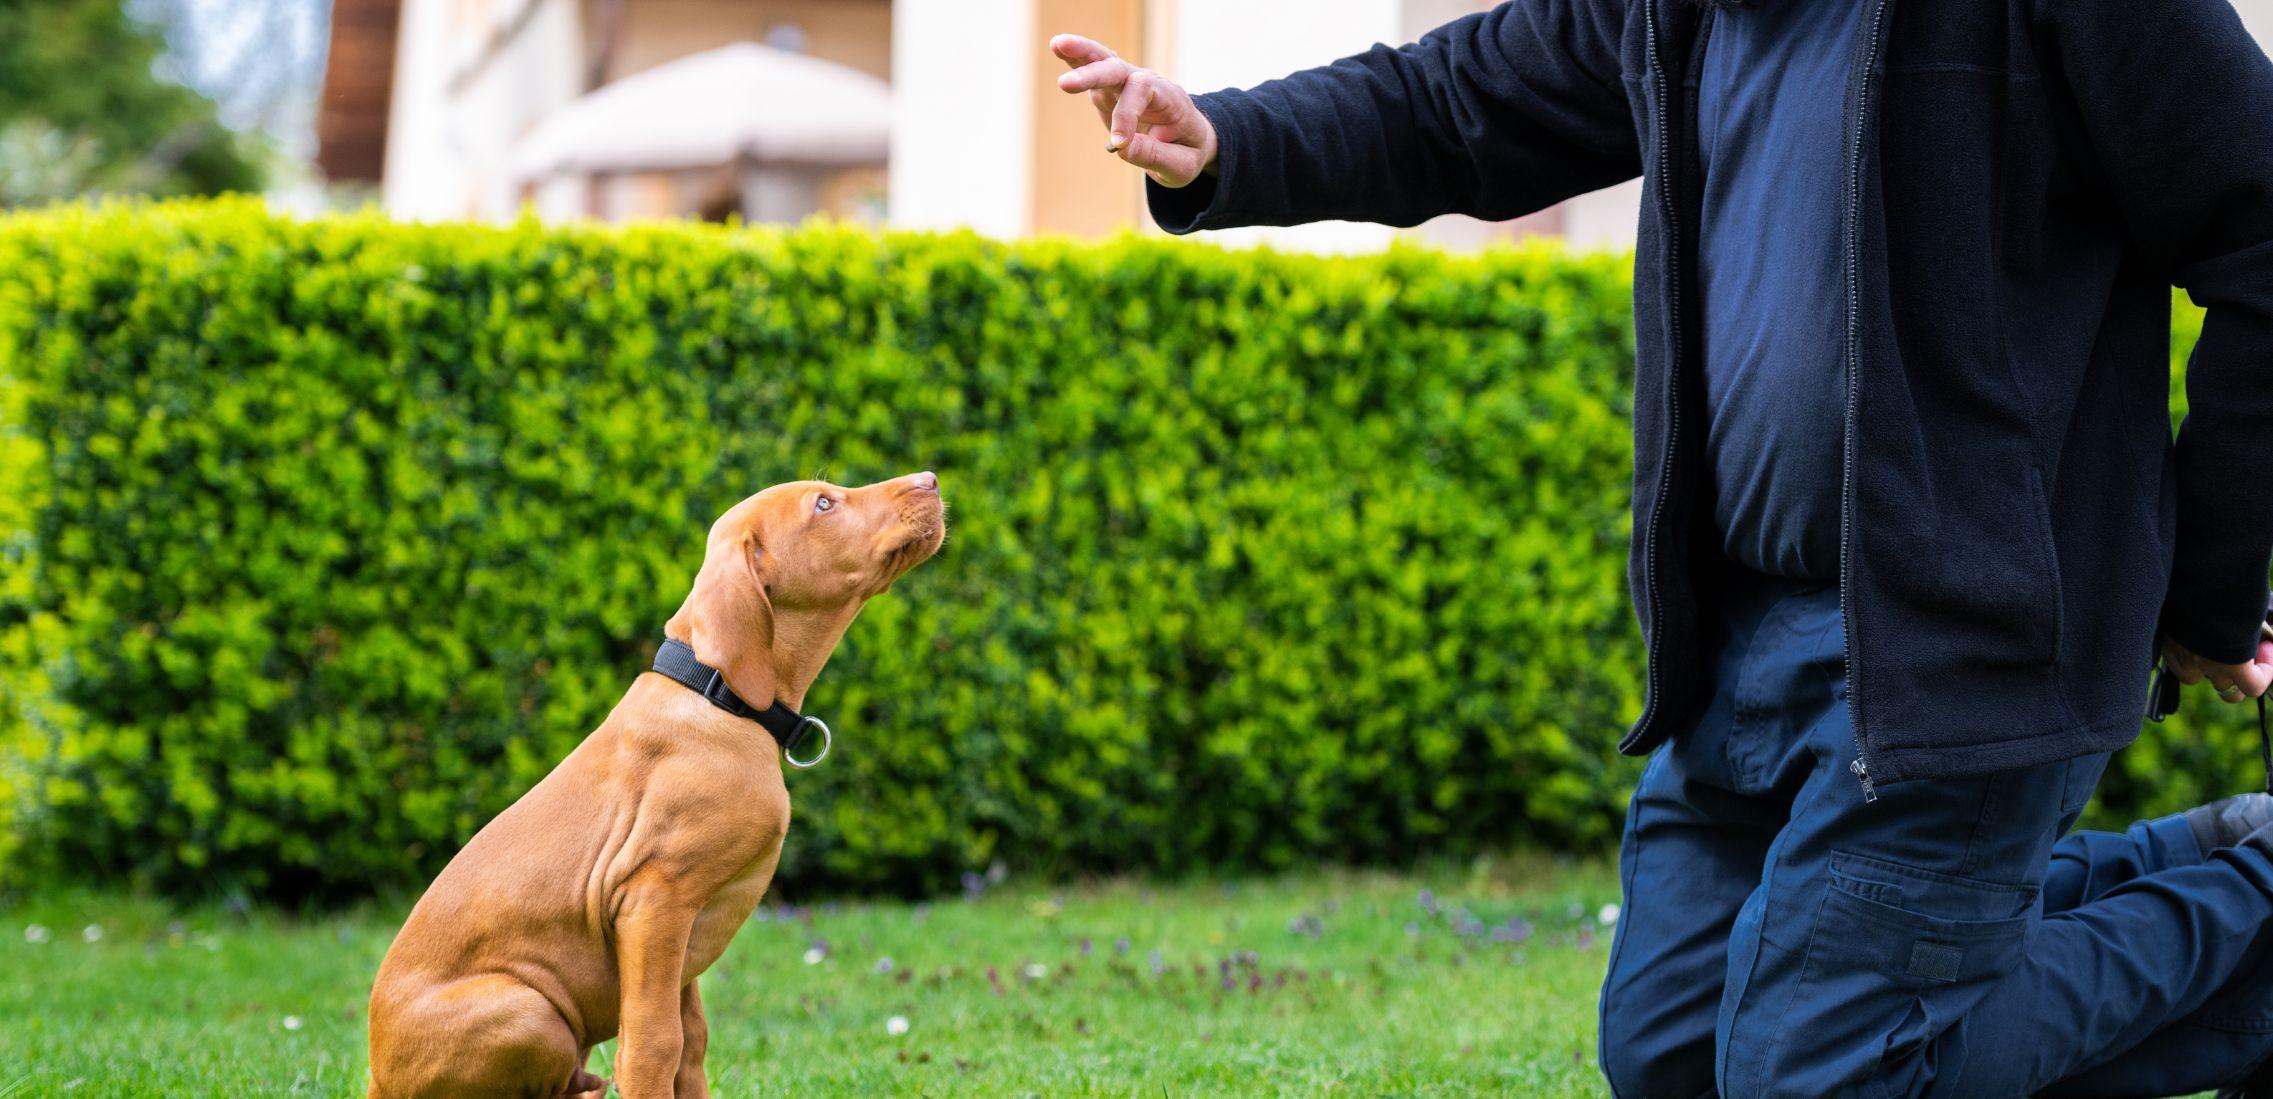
{"points": [[743, 103]]}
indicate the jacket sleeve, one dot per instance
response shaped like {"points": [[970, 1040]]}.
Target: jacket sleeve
{"points": [[1496, 115], [2176, 100]]}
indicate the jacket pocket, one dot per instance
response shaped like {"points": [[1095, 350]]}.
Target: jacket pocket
{"points": [[1896, 957]]}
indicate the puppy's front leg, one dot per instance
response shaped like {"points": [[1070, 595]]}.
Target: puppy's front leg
{"points": [[651, 950], [692, 1083]]}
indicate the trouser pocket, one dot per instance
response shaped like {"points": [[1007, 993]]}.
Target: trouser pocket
{"points": [[1897, 955]]}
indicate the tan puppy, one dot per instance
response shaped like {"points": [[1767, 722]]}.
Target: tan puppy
{"points": [[588, 908]]}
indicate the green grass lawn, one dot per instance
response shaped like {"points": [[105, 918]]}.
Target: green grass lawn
{"points": [[1470, 980]]}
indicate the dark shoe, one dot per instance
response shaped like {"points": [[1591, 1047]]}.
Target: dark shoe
{"points": [[2224, 822], [2258, 1086]]}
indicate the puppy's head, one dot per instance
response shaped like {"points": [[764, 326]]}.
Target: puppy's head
{"points": [[793, 564]]}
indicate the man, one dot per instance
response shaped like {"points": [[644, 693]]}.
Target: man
{"points": [[1908, 517]]}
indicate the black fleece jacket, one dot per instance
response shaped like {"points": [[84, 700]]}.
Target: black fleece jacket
{"points": [[2025, 181]]}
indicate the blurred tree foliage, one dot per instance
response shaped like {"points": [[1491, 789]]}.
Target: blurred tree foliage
{"points": [[83, 110]]}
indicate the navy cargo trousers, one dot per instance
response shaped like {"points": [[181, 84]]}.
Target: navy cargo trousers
{"points": [[1782, 936]]}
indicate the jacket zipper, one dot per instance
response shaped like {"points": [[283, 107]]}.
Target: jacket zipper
{"points": [[1860, 766], [1650, 562]]}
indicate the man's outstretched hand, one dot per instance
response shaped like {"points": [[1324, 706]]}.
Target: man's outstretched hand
{"points": [[2233, 682], [1150, 122]]}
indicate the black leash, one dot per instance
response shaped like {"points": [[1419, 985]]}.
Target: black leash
{"points": [[677, 661]]}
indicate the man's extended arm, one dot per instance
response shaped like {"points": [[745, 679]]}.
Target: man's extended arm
{"points": [[1496, 115], [2177, 102]]}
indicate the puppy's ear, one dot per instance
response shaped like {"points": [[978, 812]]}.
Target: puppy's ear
{"points": [[729, 620]]}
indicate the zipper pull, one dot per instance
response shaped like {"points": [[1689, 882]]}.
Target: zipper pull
{"points": [[1870, 788]]}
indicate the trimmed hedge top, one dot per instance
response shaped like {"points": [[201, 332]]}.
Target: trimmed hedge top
{"points": [[324, 539]]}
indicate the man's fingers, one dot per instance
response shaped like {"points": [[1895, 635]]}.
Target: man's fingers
{"points": [[1109, 73], [1172, 164], [2181, 664], [1136, 98], [1077, 51], [1145, 151], [2232, 682], [2252, 679], [1133, 101]]}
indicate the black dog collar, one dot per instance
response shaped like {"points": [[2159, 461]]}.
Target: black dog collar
{"points": [[677, 660]]}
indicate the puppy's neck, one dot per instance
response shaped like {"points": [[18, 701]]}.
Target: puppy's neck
{"points": [[802, 644]]}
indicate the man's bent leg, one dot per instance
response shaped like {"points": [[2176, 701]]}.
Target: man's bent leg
{"points": [[1901, 946], [1699, 829], [2169, 967], [2090, 865], [2219, 1043], [2222, 1044], [1685, 866]]}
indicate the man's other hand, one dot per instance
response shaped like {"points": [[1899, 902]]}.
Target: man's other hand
{"points": [[2233, 682], [1150, 122]]}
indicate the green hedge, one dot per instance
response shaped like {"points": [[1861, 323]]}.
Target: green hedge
{"points": [[322, 540]]}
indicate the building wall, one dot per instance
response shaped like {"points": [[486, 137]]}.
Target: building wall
{"points": [[857, 33], [1078, 187], [1037, 164], [1006, 153], [357, 92], [471, 76], [963, 115]]}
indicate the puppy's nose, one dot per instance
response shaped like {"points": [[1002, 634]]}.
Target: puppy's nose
{"points": [[927, 481]]}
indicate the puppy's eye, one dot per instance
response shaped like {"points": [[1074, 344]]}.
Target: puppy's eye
{"points": [[823, 504]]}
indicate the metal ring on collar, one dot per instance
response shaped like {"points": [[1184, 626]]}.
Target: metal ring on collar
{"points": [[827, 739]]}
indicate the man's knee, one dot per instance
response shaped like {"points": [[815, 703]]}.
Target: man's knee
{"points": [[1871, 992], [1642, 1056]]}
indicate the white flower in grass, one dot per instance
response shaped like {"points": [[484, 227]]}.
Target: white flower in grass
{"points": [[93, 933], [35, 934], [1608, 915], [896, 1025], [814, 955], [1036, 971], [292, 1022]]}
